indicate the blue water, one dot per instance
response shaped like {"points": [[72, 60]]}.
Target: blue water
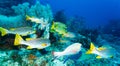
{"points": [[96, 12]]}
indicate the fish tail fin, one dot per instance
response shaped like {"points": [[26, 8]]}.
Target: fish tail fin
{"points": [[18, 40], [53, 25], [92, 48], [57, 54], [27, 17], [3, 31]]}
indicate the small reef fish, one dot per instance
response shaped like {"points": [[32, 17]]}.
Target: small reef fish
{"points": [[70, 50], [41, 21], [35, 43], [69, 35], [21, 31], [102, 52], [33, 19], [37, 20], [59, 27], [64, 41]]}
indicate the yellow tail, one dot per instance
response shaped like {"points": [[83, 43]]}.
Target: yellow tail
{"points": [[27, 17], [92, 48], [3, 31], [18, 40], [53, 25]]}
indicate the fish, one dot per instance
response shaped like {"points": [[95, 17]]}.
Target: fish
{"points": [[64, 41], [37, 20], [58, 27], [24, 31], [69, 35], [71, 52], [41, 21], [102, 52], [38, 43], [33, 19]]}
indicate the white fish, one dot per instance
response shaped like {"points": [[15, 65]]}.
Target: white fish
{"points": [[69, 35], [102, 52], [22, 31], [41, 21], [70, 50], [34, 43]]}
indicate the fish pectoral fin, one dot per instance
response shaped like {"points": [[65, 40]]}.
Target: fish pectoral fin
{"points": [[101, 48], [29, 47], [98, 57]]}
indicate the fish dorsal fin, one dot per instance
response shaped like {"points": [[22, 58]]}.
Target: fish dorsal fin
{"points": [[18, 39], [28, 39], [29, 47], [101, 48], [98, 57], [92, 48]]}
